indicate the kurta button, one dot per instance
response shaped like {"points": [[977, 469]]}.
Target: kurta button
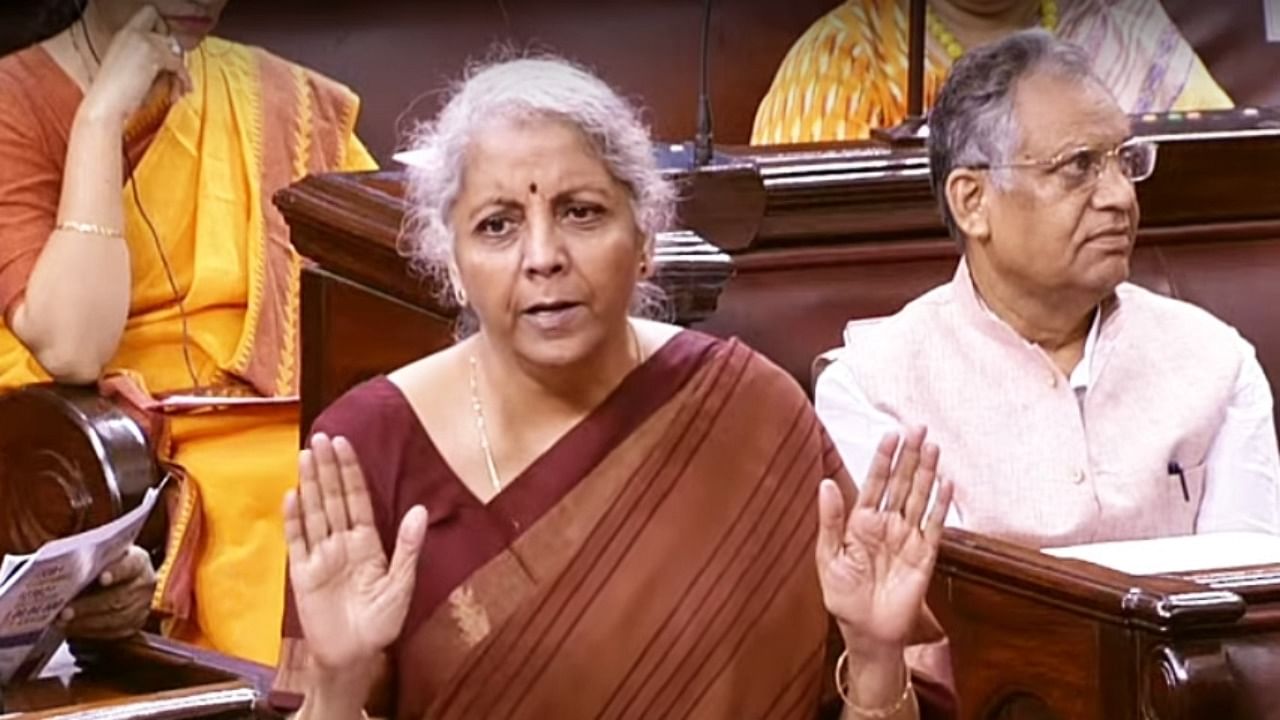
{"points": [[1078, 477], [1053, 381]]}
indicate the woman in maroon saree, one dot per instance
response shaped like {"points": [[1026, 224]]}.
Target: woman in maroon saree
{"points": [[620, 512]]}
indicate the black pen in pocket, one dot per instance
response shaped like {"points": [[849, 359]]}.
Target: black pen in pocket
{"points": [[1176, 469]]}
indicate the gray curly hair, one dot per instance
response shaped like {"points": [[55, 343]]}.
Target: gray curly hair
{"points": [[972, 122], [517, 89]]}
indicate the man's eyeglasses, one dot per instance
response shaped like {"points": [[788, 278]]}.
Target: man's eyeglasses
{"points": [[1079, 168]]}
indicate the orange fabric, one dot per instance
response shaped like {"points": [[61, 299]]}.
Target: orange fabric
{"points": [[205, 173], [37, 104], [228, 590], [846, 75], [212, 163]]}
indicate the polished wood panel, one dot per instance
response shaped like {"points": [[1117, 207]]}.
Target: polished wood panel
{"points": [[1036, 636], [354, 333]]}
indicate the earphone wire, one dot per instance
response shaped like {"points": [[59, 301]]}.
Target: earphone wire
{"points": [[155, 236]]}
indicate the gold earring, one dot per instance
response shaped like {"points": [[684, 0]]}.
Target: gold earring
{"points": [[460, 295]]}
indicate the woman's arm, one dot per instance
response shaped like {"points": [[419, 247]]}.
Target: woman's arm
{"points": [[875, 559], [350, 599], [77, 298], [336, 696], [877, 680]]}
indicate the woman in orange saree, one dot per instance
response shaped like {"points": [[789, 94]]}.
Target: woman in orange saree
{"points": [[621, 512], [848, 73], [165, 269]]}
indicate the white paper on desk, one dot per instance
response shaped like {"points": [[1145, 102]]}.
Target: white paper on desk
{"points": [[200, 402], [38, 586], [1183, 553]]}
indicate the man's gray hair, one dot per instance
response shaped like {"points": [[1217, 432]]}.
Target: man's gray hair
{"points": [[973, 124], [515, 90]]}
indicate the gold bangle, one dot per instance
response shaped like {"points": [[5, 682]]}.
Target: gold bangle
{"points": [[88, 229], [880, 713]]}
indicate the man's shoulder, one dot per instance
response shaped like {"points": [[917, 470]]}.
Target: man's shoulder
{"points": [[1177, 318], [926, 308], [892, 341]]}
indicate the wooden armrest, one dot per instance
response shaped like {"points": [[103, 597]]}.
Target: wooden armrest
{"points": [[1033, 635], [1161, 603]]}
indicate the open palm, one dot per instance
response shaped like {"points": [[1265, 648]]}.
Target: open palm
{"points": [[351, 602], [874, 563]]}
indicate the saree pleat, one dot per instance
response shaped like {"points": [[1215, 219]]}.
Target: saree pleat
{"points": [[674, 578]]}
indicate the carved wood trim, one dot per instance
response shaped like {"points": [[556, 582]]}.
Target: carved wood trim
{"points": [[1157, 604]]}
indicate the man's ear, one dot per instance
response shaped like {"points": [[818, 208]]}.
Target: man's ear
{"points": [[968, 195]]}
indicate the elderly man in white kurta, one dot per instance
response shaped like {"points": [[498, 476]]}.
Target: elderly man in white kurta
{"points": [[1069, 405]]}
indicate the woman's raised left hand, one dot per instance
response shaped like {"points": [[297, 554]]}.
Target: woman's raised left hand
{"points": [[875, 560]]}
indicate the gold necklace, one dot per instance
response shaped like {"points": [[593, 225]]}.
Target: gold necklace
{"points": [[477, 410], [1048, 20]]}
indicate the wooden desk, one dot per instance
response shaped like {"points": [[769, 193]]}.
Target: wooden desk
{"points": [[1033, 636], [149, 677]]}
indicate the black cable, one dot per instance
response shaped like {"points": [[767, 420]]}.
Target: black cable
{"points": [[155, 236]]}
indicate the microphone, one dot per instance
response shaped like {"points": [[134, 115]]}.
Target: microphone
{"points": [[914, 128], [703, 146], [701, 152]]}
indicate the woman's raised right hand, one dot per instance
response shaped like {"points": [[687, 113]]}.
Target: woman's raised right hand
{"points": [[350, 600], [140, 57]]}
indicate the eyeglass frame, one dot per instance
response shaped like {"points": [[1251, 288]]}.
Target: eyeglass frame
{"points": [[1054, 164]]}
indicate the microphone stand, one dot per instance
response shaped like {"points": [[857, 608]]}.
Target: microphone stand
{"points": [[692, 155], [704, 142], [913, 128]]}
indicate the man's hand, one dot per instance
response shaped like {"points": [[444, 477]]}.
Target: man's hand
{"points": [[117, 605]]}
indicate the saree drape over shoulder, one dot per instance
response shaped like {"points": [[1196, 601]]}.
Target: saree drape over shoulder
{"points": [[848, 73], [203, 172], [656, 562]]}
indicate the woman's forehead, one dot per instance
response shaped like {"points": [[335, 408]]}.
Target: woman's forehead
{"points": [[540, 156]]}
